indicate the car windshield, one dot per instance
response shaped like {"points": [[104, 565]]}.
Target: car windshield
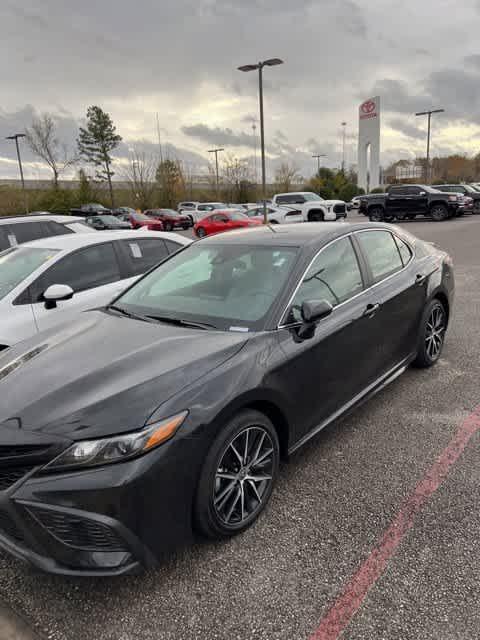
{"points": [[18, 263], [229, 287], [168, 212], [141, 216]]}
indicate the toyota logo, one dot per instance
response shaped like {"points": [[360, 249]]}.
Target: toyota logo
{"points": [[368, 106]]}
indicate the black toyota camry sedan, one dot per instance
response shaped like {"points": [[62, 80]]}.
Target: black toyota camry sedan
{"points": [[164, 416]]}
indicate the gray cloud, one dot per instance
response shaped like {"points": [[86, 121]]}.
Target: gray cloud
{"points": [[219, 136], [409, 130]]}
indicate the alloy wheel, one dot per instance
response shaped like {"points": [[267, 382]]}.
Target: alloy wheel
{"points": [[435, 332], [244, 476]]}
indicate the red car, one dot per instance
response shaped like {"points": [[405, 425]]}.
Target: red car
{"points": [[170, 218], [138, 220], [223, 221]]}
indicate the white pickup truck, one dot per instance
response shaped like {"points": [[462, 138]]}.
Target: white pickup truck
{"points": [[313, 207]]}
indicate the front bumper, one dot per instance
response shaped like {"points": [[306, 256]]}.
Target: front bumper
{"points": [[111, 520]]}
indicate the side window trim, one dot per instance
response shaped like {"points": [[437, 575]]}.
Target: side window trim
{"points": [[361, 266]]}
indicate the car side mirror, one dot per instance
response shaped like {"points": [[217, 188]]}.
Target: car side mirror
{"points": [[312, 311], [422, 193], [56, 293]]}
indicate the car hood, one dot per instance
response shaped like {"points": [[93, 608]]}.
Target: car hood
{"points": [[104, 373]]}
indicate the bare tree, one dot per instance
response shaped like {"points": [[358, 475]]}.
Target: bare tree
{"points": [[237, 178], [140, 174], [44, 143], [286, 176]]}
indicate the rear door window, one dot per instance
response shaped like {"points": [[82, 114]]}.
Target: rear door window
{"points": [[143, 254], [381, 253], [4, 243], [27, 231]]}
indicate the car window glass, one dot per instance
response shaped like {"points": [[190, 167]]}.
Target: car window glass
{"points": [[27, 231], [173, 246], [404, 249], [398, 191], [85, 269], [19, 263], [52, 228], [415, 191], [334, 276], [4, 242], [381, 253], [143, 254]]}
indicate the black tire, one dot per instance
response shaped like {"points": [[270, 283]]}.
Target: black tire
{"points": [[434, 323], [201, 233], [439, 212], [191, 221], [273, 222], [476, 206], [216, 495], [411, 216], [376, 214], [316, 216], [168, 226]]}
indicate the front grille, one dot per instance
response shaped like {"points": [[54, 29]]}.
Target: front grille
{"points": [[10, 475], [339, 208], [9, 528], [79, 532], [13, 451]]}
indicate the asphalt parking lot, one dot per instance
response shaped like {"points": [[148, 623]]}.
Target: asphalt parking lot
{"points": [[318, 564]]}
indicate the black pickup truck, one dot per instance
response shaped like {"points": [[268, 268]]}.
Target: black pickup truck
{"points": [[405, 202]]}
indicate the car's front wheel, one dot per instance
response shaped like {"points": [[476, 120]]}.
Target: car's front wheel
{"points": [[167, 226], [439, 212], [201, 233], [376, 214], [432, 334], [238, 476]]}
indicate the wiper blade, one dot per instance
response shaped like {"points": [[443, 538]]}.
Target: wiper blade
{"points": [[182, 323], [128, 314]]}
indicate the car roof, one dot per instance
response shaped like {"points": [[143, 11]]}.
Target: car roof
{"points": [[41, 216], [297, 234], [78, 240]]}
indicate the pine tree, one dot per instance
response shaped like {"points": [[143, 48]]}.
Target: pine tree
{"points": [[97, 141]]}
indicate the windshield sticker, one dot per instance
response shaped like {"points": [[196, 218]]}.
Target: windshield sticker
{"points": [[12, 240], [242, 329], [135, 249]]}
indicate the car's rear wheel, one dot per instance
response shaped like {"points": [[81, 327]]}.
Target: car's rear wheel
{"points": [[376, 214], [476, 206], [201, 233], [432, 334], [167, 226], [439, 212], [238, 476]]}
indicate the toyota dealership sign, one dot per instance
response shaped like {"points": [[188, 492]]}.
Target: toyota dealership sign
{"points": [[368, 109]]}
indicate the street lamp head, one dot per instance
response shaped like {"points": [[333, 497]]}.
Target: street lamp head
{"points": [[15, 136], [215, 150], [248, 67], [272, 62]]}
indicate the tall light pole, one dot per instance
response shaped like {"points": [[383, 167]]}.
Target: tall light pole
{"points": [[216, 151], [15, 137], [271, 62], [429, 114], [318, 156], [344, 125], [254, 129]]}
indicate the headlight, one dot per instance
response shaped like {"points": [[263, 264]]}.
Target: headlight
{"points": [[90, 453]]}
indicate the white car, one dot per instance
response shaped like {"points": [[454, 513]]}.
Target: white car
{"points": [[48, 281], [277, 215], [313, 207], [18, 229]]}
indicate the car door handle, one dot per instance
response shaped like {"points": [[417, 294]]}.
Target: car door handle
{"points": [[420, 278], [371, 309]]}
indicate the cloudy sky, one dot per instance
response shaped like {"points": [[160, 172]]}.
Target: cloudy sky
{"points": [[178, 58]]}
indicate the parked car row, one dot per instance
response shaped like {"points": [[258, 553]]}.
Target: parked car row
{"points": [[162, 416]]}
